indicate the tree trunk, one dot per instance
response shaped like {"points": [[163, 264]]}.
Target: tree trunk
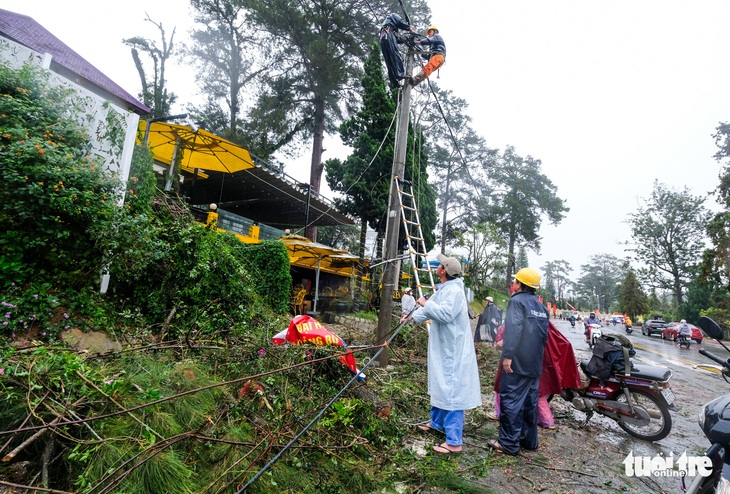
{"points": [[360, 260], [510, 260], [316, 167]]}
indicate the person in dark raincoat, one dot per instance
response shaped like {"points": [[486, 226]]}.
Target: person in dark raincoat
{"points": [[525, 337], [488, 323], [559, 371], [389, 46]]}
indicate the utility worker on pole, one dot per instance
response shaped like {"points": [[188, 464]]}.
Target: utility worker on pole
{"points": [[389, 46], [437, 51]]}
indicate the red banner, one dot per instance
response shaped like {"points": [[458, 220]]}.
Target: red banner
{"points": [[306, 329]]}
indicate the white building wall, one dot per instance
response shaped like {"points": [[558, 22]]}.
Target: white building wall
{"points": [[102, 118]]}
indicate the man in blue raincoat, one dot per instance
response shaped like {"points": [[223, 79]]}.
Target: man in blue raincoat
{"points": [[453, 376], [525, 336]]}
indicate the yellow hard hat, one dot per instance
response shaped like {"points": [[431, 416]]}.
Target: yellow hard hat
{"points": [[432, 27], [529, 277]]}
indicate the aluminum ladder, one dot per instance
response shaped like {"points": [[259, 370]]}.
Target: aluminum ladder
{"points": [[414, 234]]}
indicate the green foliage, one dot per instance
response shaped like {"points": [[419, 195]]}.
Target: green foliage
{"points": [[141, 184], [524, 197], [598, 286], [668, 232], [28, 308], [367, 315], [555, 280], [268, 263], [486, 255], [364, 177], [52, 197], [154, 90], [715, 265], [632, 299]]}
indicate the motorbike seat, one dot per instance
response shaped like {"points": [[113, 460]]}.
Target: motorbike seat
{"points": [[638, 371], [651, 372]]}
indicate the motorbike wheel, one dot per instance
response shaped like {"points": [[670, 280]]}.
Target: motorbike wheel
{"points": [[660, 421]]}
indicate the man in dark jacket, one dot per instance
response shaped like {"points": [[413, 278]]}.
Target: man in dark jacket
{"points": [[525, 336], [436, 54], [389, 46]]}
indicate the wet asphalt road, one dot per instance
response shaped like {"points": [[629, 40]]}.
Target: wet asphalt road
{"points": [[692, 387]]}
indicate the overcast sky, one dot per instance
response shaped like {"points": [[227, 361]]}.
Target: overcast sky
{"points": [[608, 95]]}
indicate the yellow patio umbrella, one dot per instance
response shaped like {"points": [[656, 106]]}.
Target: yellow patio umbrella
{"points": [[320, 257], [199, 148]]}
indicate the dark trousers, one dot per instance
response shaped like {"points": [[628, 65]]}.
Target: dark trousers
{"points": [[518, 412], [393, 61]]}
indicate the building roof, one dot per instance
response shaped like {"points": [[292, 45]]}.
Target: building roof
{"points": [[27, 32], [265, 196]]}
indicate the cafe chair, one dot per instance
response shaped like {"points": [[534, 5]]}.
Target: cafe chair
{"points": [[297, 302]]}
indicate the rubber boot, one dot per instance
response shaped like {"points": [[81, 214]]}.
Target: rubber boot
{"points": [[417, 79]]}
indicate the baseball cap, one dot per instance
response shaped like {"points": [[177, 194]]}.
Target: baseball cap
{"points": [[490, 299], [408, 289], [452, 266]]}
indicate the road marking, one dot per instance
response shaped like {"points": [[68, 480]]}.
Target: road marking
{"points": [[691, 363]]}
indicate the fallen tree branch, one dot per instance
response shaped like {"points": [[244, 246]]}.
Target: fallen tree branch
{"points": [[30, 440], [31, 488], [190, 392]]}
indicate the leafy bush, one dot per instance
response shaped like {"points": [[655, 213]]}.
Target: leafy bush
{"points": [[52, 197]]}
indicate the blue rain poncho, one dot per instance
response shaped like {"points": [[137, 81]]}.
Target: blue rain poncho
{"points": [[453, 376]]}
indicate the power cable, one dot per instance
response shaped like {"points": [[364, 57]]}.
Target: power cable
{"points": [[453, 138], [377, 152], [331, 402]]}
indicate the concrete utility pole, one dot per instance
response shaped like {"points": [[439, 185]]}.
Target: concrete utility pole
{"points": [[390, 246]]}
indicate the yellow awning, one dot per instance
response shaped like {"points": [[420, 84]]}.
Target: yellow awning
{"points": [[312, 255], [199, 149]]}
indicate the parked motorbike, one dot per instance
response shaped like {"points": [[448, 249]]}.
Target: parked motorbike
{"points": [[593, 332], [714, 420], [638, 400]]}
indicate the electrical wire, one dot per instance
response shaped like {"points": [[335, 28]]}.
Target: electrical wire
{"points": [[394, 333], [453, 139], [377, 152]]}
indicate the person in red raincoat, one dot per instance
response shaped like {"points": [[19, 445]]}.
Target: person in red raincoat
{"points": [[559, 371]]}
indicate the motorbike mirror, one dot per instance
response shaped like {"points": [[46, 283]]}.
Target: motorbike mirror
{"points": [[710, 327]]}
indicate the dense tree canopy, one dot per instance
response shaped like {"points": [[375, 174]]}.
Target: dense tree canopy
{"points": [[222, 49], [632, 300], [523, 197], [556, 279], [597, 287], [460, 161], [668, 236]]}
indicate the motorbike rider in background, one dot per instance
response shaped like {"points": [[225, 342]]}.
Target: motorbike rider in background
{"points": [[591, 319]]}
